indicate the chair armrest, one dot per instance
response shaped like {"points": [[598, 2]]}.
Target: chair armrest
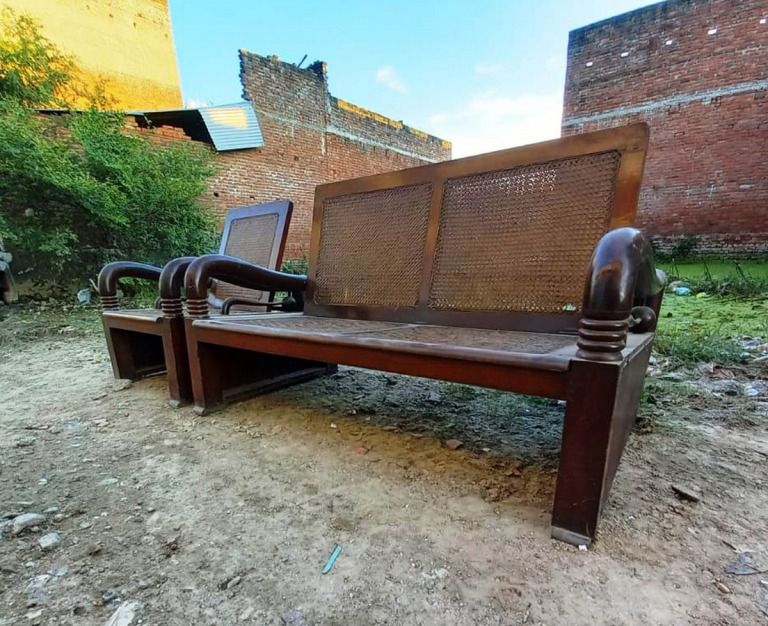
{"points": [[237, 272], [287, 305], [171, 282], [228, 303], [623, 292], [111, 273]]}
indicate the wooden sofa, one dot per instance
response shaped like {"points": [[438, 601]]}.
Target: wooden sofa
{"points": [[517, 270], [146, 341]]}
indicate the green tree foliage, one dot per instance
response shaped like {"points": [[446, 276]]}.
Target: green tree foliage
{"points": [[77, 190]]}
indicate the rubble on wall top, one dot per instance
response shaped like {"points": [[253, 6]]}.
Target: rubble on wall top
{"points": [[382, 119], [318, 68]]}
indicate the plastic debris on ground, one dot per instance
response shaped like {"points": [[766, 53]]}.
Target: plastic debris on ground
{"points": [[332, 559]]}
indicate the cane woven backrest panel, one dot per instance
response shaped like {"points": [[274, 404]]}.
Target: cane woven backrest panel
{"points": [[372, 247], [521, 239], [497, 241], [251, 238]]}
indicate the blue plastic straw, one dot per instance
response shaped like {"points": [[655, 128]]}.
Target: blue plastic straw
{"points": [[332, 559]]}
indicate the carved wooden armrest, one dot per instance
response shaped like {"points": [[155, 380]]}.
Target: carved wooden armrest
{"points": [[111, 273], [623, 293], [237, 272], [171, 282]]}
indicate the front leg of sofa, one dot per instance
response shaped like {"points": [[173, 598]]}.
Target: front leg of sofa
{"points": [[111, 274], [237, 272], [622, 294]]}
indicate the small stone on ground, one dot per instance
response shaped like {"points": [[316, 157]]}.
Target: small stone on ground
{"points": [[27, 520], [49, 541]]}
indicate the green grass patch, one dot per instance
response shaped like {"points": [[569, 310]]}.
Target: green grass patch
{"points": [[703, 329], [686, 349], [734, 278], [686, 270]]}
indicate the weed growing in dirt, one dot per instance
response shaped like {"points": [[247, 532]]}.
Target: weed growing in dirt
{"points": [[23, 323], [723, 278], [738, 284], [459, 393], [660, 396], [707, 329], [686, 348]]}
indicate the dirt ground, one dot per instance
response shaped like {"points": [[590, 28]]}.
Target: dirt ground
{"points": [[229, 518]]}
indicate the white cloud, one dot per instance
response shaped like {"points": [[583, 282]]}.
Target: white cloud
{"points": [[388, 77], [197, 103], [491, 121], [483, 69]]}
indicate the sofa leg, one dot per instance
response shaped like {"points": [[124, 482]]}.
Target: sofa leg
{"points": [[205, 373], [177, 362], [601, 406], [222, 374]]}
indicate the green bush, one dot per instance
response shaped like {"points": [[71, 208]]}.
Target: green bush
{"points": [[77, 190]]}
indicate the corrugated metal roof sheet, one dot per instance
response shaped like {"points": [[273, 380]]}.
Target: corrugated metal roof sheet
{"points": [[232, 126]]}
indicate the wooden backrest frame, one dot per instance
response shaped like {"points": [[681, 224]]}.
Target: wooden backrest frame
{"points": [[629, 141], [283, 209]]}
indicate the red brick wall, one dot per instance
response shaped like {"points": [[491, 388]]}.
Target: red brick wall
{"points": [[705, 97], [309, 140]]}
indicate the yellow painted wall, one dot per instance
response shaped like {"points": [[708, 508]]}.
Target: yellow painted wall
{"points": [[127, 45]]}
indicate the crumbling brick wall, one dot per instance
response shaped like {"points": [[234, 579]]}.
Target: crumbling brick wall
{"points": [[695, 71], [310, 138]]}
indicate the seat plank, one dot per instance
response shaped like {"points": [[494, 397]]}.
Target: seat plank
{"points": [[535, 350]]}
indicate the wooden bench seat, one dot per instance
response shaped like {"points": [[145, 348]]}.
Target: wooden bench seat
{"points": [[543, 351], [517, 270]]}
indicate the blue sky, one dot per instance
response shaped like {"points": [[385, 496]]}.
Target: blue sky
{"points": [[485, 74]]}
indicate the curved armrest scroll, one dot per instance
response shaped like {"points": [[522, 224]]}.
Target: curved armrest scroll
{"points": [[111, 273], [171, 282], [623, 292], [237, 272]]}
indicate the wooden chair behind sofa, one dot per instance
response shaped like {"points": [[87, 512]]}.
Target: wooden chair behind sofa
{"points": [[146, 341]]}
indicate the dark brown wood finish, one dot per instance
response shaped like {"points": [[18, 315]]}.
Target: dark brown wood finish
{"points": [[223, 372], [526, 374], [601, 405], [147, 341], [622, 281], [595, 358], [282, 210]]}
